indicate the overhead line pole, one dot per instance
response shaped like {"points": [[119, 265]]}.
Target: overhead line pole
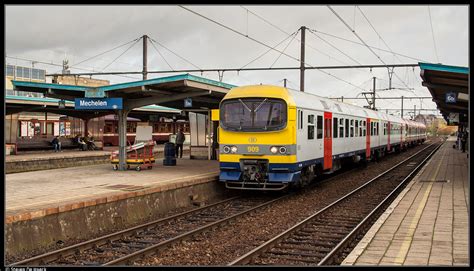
{"points": [[145, 56], [302, 66]]}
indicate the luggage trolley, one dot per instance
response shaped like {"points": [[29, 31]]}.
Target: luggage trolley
{"points": [[138, 155]]}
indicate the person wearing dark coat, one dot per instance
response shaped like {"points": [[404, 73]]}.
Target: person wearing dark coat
{"points": [[56, 144], [179, 143]]}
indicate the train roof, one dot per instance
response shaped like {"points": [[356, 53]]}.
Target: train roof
{"points": [[301, 100]]}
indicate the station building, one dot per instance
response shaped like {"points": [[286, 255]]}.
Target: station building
{"points": [[31, 121]]}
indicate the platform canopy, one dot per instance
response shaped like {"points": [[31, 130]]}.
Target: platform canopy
{"points": [[165, 91], [449, 87], [17, 104]]}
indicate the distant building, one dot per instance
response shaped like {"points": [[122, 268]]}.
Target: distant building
{"points": [[21, 73], [36, 126], [80, 81], [428, 120]]}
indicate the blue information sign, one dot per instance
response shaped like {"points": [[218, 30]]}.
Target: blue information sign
{"points": [[451, 97], [188, 102], [97, 103]]}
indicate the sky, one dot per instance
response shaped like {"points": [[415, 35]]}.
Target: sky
{"points": [[184, 40]]}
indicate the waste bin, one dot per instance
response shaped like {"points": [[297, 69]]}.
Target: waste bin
{"points": [[169, 154]]}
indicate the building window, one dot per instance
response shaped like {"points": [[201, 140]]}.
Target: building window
{"points": [[10, 70], [19, 71]]}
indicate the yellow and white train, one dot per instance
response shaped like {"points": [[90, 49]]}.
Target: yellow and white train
{"points": [[271, 137]]}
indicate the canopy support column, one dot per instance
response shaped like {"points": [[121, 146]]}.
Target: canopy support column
{"points": [[122, 130]]}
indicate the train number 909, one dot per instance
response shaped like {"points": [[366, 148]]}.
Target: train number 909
{"points": [[253, 149]]}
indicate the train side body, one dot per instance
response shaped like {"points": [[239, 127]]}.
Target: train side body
{"points": [[319, 135]]}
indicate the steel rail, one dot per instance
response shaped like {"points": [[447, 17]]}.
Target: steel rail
{"points": [[269, 244], [63, 252], [365, 222]]}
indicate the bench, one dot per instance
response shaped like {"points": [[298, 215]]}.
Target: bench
{"points": [[42, 143]]}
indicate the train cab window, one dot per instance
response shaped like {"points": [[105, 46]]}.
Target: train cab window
{"points": [[335, 123], [311, 126], [347, 127], [356, 128], [320, 127], [341, 127]]}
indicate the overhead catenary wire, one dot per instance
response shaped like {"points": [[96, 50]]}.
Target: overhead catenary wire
{"points": [[92, 57], [60, 65], [432, 34], [330, 44], [368, 47], [174, 53], [284, 49], [261, 43], [158, 51], [120, 55], [285, 32], [261, 55]]}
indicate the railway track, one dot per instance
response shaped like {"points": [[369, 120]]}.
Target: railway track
{"points": [[128, 245], [326, 236], [131, 243]]}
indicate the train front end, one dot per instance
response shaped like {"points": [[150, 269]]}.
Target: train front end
{"points": [[257, 139]]}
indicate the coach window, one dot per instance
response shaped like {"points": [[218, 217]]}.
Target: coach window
{"points": [[311, 126], [341, 127], [356, 128], [384, 129], [377, 128], [371, 128], [335, 127], [352, 128], [347, 127], [320, 127]]}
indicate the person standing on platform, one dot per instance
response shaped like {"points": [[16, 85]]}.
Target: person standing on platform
{"points": [[464, 141], [179, 143]]}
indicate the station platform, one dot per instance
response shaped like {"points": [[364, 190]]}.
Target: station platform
{"points": [[427, 224], [45, 207], [38, 193], [48, 159]]}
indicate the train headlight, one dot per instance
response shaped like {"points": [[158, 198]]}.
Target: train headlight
{"points": [[283, 150], [226, 149], [233, 149], [273, 149]]}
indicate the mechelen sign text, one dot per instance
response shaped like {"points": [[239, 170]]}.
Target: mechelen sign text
{"points": [[98, 103]]}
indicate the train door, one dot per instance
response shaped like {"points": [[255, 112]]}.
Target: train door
{"points": [[327, 140], [388, 135], [367, 139]]}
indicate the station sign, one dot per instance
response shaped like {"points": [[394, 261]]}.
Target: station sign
{"points": [[188, 102], [451, 97], [97, 103]]}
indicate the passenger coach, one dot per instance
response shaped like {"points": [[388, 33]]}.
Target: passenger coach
{"points": [[271, 137]]}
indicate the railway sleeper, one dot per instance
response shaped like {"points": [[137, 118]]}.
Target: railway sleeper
{"points": [[296, 260], [330, 231], [297, 253], [323, 248], [312, 242]]}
